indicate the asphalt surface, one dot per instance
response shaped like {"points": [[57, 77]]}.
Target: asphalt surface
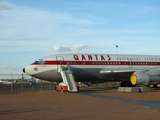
{"points": [[86, 105]]}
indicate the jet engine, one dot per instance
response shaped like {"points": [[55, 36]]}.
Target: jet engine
{"points": [[141, 77]]}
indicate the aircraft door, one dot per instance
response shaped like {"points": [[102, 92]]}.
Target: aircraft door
{"points": [[60, 60]]}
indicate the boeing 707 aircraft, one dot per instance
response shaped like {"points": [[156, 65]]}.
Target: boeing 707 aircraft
{"points": [[130, 70]]}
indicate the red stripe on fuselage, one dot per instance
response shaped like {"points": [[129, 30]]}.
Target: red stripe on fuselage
{"points": [[140, 63]]}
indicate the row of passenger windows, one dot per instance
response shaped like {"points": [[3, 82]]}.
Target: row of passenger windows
{"points": [[113, 63], [137, 59]]}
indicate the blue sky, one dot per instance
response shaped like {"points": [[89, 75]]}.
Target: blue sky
{"points": [[30, 29]]}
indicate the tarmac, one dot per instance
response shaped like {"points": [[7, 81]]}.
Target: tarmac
{"points": [[86, 105]]}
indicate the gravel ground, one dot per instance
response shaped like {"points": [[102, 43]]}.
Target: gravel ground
{"points": [[100, 105]]}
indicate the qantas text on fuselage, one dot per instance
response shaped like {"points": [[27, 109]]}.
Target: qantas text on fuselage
{"points": [[91, 57], [97, 68]]}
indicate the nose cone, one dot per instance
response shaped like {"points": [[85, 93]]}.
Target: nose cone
{"points": [[28, 70], [24, 70]]}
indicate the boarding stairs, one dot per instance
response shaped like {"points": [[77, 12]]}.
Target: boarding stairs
{"points": [[68, 78]]}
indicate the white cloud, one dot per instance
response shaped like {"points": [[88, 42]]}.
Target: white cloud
{"points": [[69, 48], [23, 27]]}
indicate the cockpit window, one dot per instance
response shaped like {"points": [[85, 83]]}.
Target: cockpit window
{"points": [[35, 63], [39, 62]]}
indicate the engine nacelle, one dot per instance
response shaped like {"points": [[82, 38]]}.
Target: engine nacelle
{"points": [[139, 77]]}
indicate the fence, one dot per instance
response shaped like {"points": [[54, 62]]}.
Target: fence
{"points": [[21, 87], [21, 83]]}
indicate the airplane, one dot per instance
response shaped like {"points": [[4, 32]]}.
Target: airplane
{"points": [[129, 70]]}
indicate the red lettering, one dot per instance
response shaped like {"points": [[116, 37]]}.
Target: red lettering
{"points": [[109, 58], [83, 57], [89, 57], [102, 58], [96, 57], [76, 57]]}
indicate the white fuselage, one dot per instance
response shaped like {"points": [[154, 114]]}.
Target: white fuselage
{"points": [[48, 67]]}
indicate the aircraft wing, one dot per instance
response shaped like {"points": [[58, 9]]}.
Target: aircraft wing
{"points": [[130, 76], [116, 71]]}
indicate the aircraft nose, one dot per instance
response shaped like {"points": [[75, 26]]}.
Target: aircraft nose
{"points": [[28, 70], [24, 70]]}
